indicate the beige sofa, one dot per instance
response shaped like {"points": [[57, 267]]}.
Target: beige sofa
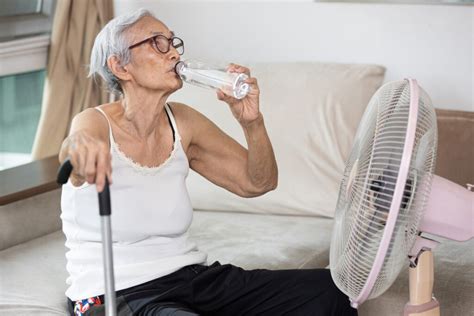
{"points": [[311, 112]]}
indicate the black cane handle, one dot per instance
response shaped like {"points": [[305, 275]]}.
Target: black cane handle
{"points": [[104, 200], [64, 171]]}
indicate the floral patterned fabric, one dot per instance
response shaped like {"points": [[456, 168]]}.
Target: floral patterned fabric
{"points": [[83, 305]]}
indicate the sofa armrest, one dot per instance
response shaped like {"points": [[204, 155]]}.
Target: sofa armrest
{"points": [[30, 218], [455, 158]]}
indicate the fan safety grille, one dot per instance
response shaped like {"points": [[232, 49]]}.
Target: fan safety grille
{"points": [[368, 186]]}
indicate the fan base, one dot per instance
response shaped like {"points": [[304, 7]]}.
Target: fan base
{"points": [[422, 302]]}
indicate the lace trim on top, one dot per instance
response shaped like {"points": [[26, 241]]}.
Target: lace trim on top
{"points": [[136, 165]]}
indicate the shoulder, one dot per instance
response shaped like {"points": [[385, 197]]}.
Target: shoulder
{"points": [[191, 123], [183, 116], [188, 119], [92, 120], [90, 116], [94, 115], [187, 115], [183, 112]]}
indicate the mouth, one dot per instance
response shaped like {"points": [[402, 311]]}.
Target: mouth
{"points": [[173, 68], [172, 71]]}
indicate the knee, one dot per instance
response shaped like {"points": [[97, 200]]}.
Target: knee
{"points": [[328, 296], [340, 301]]}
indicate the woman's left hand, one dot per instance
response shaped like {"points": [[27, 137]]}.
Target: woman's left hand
{"points": [[245, 110]]}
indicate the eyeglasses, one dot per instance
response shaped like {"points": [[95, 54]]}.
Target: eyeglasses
{"points": [[162, 44]]}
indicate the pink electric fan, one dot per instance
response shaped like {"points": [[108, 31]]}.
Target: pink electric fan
{"points": [[389, 200]]}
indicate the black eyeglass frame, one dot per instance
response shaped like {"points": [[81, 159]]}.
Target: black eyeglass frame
{"points": [[153, 40]]}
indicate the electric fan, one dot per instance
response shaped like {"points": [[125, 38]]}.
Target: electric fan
{"points": [[389, 199]]}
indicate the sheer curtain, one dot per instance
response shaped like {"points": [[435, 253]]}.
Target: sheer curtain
{"points": [[67, 89]]}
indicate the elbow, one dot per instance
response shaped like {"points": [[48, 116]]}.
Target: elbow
{"points": [[258, 189], [273, 184]]}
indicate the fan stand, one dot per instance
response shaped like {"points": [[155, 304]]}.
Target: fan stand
{"points": [[421, 276]]}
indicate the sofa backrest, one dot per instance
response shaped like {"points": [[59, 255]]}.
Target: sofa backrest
{"points": [[311, 112], [39, 215]]}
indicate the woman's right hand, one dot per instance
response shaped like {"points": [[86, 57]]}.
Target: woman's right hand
{"points": [[90, 158]]}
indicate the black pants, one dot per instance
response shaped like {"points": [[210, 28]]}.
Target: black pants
{"points": [[230, 290]]}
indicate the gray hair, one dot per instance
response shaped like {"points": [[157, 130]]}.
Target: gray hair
{"points": [[111, 41]]}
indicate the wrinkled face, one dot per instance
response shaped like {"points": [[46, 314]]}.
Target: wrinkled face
{"points": [[148, 67]]}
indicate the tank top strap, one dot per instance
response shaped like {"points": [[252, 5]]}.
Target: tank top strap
{"points": [[173, 122], [111, 136]]}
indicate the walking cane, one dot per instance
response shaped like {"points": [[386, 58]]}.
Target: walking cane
{"points": [[104, 210]]}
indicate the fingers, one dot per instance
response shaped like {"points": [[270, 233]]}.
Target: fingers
{"points": [[239, 69], [76, 178], [77, 154], [253, 91], [102, 169], [253, 83], [223, 97], [250, 80], [90, 166], [220, 95], [91, 161], [109, 167], [82, 158]]}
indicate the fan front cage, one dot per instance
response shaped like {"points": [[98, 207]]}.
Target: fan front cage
{"points": [[368, 187]]}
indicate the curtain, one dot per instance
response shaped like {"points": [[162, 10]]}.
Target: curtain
{"points": [[67, 89]]}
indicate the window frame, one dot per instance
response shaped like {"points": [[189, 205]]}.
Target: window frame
{"points": [[25, 38], [24, 55], [24, 25]]}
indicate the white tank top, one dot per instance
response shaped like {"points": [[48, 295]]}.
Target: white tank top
{"points": [[151, 213]]}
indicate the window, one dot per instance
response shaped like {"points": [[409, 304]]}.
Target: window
{"points": [[20, 108], [25, 27]]}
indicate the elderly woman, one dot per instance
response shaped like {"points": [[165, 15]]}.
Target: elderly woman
{"points": [[149, 144]]}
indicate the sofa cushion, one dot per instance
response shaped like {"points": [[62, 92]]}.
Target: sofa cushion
{"points": [[256, 241], [311, 112], [32, 277], [33, 274]]}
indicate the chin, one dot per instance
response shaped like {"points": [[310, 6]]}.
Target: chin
{"points": [[176, 87], [179, 85], [174, 84]]}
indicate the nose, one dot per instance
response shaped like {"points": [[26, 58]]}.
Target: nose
{"points": [[173, 53]]}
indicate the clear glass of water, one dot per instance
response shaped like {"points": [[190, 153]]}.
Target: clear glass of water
{"points": [[214, 77]]}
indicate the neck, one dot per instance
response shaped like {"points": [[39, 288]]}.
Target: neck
{"points": [[142, 111]]}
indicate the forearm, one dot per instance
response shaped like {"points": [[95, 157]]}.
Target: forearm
{"points": [[262, 168]]}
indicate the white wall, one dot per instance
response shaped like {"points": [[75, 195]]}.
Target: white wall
{"points": [[433, 43]]}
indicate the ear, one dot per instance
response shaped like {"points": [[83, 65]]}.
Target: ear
{"points": [[121, 72]]}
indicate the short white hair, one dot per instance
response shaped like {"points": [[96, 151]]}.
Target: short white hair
{"points": [[111, 41]]}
